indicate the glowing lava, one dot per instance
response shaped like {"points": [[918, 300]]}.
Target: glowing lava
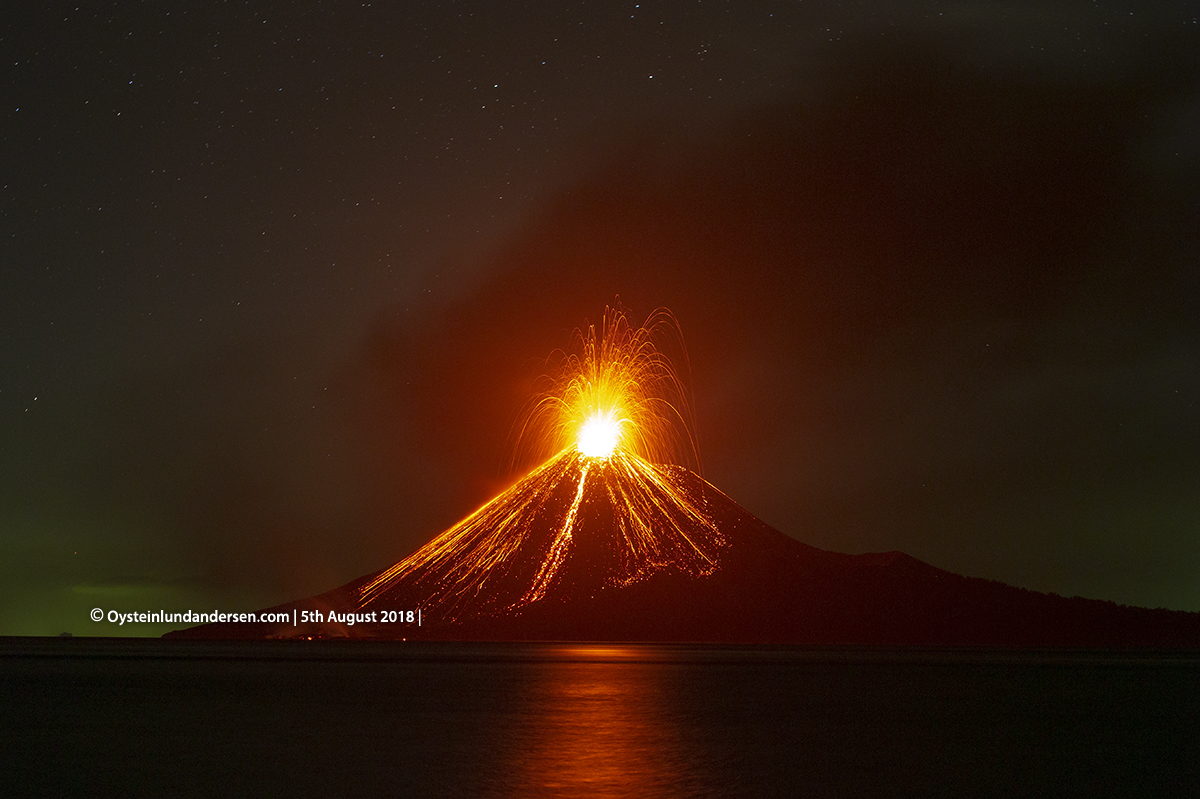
{"points": [[614, 387], [604, 510], [598, 436]]}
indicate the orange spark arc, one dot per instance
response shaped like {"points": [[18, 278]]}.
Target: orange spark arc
{"points": [[615, 386]]}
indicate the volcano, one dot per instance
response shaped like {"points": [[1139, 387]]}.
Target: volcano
{"points": [[615, 548], [605, 542]]}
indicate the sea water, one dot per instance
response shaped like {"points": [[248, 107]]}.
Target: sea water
{"points": [[167, 718]]}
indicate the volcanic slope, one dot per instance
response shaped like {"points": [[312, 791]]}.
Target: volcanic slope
{"points": [[573, 528], [617, 549]]}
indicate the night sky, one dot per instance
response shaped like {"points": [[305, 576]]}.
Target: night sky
{"points": [[277, 278]]}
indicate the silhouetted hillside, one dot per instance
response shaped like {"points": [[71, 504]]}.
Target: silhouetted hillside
{"points": [[557, 557]]}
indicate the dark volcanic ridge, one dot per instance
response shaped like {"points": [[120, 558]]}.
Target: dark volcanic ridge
{"points": [[587, 549]]}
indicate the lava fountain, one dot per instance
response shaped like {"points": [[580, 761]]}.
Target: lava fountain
{"points": [[612, 504], [614, 387]]}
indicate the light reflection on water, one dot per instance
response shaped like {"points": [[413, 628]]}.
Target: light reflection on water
{"points": [[598, 722], [317, 719]]}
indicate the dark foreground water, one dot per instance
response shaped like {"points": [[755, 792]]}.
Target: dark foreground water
{"points": [[157, 718]]}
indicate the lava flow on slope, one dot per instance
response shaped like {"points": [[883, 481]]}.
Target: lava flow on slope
{"points": [[577, 525]]}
